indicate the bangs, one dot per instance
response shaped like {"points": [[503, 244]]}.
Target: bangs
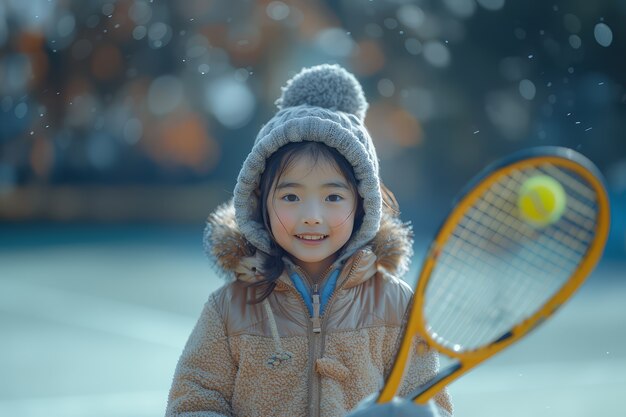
{"points": [[317, 154]]}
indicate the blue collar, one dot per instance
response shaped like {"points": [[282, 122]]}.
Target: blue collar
{"points": [[327, 289]]}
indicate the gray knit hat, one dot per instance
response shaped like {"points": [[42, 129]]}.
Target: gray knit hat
{"points": [[324, 104]]}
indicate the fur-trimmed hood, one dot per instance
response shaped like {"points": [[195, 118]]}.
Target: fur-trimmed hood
{"points": [[234, 257]]}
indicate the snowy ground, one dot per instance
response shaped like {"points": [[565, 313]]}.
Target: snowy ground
{"points": [[92, 323]]}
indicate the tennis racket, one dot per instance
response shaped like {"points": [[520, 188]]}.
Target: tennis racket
{"points": [[490, 276]]}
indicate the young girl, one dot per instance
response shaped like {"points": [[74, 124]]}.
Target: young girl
{"points": [[309, 321]]}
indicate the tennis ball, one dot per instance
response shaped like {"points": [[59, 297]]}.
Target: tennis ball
{"points": [[541, 200]]}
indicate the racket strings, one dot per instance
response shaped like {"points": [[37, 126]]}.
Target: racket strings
{"points": [[496, 317], [495, 270], [502, 241], [500, 314], [473, 294], [473, 297], [501, 205], [482, 275]]}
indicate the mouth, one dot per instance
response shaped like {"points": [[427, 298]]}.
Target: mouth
{"points": [[312, 238]]}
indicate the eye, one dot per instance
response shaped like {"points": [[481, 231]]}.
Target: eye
{"points": [[290, 197], [334, 198]]}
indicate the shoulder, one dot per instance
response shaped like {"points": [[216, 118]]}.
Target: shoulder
{"points": [[384, 298], [231, 304], [230, 297], [225, 295], [394, 288]]}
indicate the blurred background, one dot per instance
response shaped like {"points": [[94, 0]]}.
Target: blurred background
{"points": [[124, 123]]}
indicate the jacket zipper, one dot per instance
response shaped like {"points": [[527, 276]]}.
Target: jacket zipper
{"points": [[356, 262], [316, 340], [315, 295], [309, 331], [315, 319], [314, 328], [318, 326]]}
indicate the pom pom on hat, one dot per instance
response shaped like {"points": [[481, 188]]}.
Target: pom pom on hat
{"points": [[327, 86]]}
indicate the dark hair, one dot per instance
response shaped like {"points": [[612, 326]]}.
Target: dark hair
{"points": [[275, 166]]}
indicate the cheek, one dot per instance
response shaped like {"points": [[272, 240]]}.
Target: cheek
{"points": [[281, 218], [343, 218]]}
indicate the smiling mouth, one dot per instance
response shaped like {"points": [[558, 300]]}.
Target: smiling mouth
{"points": [[312, 237]]}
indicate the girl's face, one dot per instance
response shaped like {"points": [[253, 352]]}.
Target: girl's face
{"points": [[311, 213]]}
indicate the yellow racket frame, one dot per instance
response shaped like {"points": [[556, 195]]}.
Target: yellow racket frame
{"points": [[470, 359]]}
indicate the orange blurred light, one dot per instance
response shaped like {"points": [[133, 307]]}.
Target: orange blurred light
{"points": [[183, 139], [316, 16], [30, 42], [41, 156], [120, 26], [106, 62], [393, 128], [369, 58], [76, 86]]}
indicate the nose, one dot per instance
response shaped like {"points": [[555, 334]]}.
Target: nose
{"points": [[312, 214], [312, 220]]}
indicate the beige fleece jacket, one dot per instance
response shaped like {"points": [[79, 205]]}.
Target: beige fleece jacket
{"points": [[271, 359]]}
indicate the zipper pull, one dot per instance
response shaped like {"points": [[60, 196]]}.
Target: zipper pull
{"points": [[317, 324]]}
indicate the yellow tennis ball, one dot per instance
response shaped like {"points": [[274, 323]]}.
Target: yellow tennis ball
{"points": [[541, 200]]}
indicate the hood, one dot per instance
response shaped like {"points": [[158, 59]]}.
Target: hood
{"points": [[323, 104], [234, 257]]}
